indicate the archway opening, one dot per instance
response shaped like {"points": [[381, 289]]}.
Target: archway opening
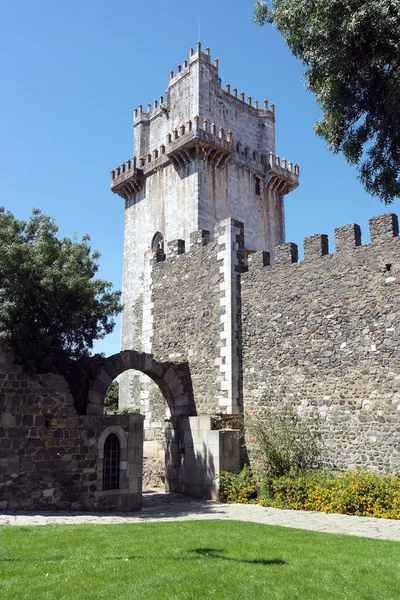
{"points": [[162, 393]]}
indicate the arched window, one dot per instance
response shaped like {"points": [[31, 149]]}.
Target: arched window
{"points": [[158, 242], [111, 463]]}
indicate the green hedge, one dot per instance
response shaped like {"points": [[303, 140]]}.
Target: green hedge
{"points": [[352, 492]]}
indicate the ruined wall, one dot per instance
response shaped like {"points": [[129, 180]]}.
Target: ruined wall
{"points": [[322, 336], [50, 457]]}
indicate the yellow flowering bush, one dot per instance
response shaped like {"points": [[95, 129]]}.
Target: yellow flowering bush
{"points": [[238, 488], [353, 492]]}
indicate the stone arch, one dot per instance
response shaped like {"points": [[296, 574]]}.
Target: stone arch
{"points": [[157, 243], [172, 379]]}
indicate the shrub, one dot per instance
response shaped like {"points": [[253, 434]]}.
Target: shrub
{"points": [[238, 488], [351, 493], [284, 442]]}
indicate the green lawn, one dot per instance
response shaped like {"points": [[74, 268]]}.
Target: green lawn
{"points": [[196, 560]]}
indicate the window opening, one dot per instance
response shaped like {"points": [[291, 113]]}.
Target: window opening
{"points": [[258, 187], [158, 242], [111, 463]]}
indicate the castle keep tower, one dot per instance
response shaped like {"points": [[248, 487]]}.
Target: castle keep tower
{"points": [[202, 154]]}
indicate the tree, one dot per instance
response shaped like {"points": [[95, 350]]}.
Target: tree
{"points": [[111, 397], [52, 308], [351, 50]]}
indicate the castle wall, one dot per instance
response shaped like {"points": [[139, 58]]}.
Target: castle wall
{"points": [[50, 457], [322, 336], [195, 297]]}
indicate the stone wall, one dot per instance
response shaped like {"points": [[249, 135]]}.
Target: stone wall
{"points": [[195, 313], [322, 336], [50, 457]]}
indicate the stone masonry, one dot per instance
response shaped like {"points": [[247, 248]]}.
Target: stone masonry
{"points": [[322, 336], [51, 458]]}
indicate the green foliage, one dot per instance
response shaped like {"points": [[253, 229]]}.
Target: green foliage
{"points": [[193, 560], [52, 307], [240, 488], [111, 397], [351, 493], [285, 441], [351, 51]]}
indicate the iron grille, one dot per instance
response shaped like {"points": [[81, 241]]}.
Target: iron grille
{"points": [[111, 463]]}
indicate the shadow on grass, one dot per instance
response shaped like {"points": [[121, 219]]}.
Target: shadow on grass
{"points": [[209, 553], [218, 553]]}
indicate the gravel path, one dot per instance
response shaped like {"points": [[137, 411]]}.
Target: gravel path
{"points": [[160, 506]]}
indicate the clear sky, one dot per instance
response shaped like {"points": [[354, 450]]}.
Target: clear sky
{"points": [[73, 71]]}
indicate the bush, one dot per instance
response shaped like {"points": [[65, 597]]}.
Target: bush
{"points": [[238, 488], [351, 493], [284, 442]]}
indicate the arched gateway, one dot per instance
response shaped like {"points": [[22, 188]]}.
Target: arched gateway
{"points": [[172, 379], [194, 451]]}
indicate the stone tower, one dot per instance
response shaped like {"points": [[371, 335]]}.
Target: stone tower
{"points": [[202, 154]]}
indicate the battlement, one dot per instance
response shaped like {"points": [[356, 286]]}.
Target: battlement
{"points": [[199, 139], [383, 230], [158, 107]]}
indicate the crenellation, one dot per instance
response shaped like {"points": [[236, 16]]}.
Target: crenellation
{"points": [[175, 248], [315, 246], [286, 254], [347, 237], [383, 228], [256, 260], [199, 238]]}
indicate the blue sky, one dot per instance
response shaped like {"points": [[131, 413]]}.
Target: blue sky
{"points": [[72, 73]]}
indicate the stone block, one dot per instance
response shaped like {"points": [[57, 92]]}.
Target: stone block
{"points": [[133, 486], [7, 420]]}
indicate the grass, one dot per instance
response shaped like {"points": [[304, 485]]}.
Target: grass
{"points": [[193, 560]]}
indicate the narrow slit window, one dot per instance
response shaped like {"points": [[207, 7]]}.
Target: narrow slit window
{"points": [[258, 187], [111, 463]]}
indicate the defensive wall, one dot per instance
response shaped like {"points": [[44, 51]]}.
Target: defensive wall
{"points": [[51, 458], [231, 334], [320, 335]]}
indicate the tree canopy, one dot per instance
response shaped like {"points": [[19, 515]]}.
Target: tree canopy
{"points": [[351, 50], [111, 397], [52, 308]]}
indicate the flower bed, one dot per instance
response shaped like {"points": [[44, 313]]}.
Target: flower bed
{"points": [[351, 493]]}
